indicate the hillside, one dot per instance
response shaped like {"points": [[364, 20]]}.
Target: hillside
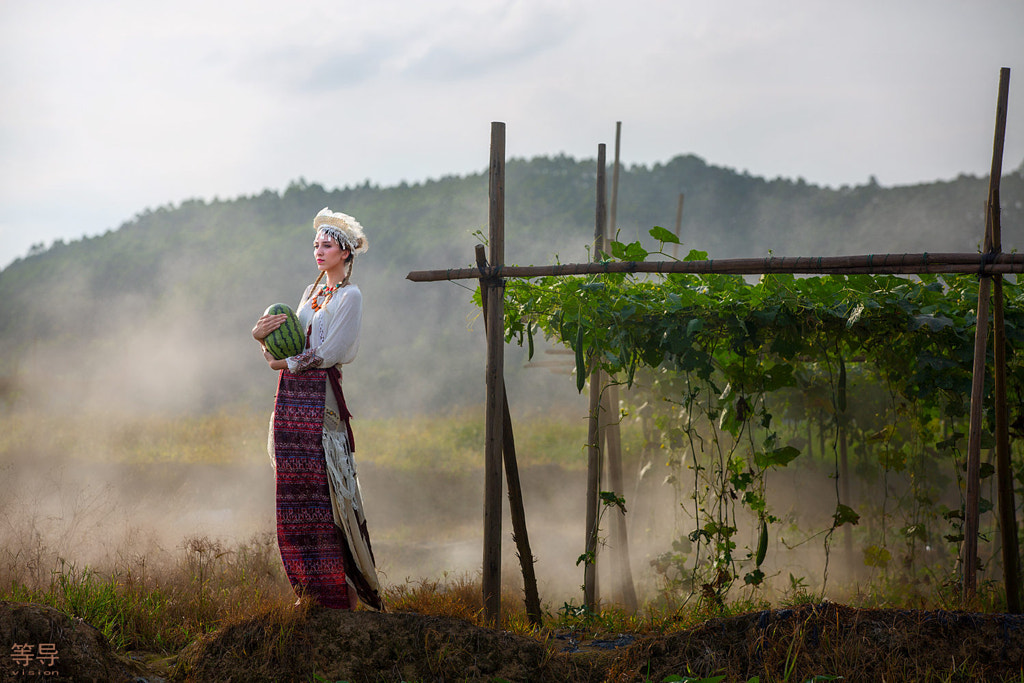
{"points": [[156, 314]]}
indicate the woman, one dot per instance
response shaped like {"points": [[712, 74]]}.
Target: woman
{"points": [[321, 529]]}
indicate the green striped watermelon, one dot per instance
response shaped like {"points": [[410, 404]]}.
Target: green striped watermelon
{"points": [[287, 340]]}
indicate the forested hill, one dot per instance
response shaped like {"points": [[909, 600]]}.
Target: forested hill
{"points": [[156, 314]]}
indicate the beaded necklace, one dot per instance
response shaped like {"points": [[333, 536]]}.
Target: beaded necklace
{"points": [[325, 291]]}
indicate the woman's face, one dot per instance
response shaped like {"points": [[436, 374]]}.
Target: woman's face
{"points": [[328, 254]]}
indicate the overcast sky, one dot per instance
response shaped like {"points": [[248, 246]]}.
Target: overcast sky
{"points": [[108, 108]]}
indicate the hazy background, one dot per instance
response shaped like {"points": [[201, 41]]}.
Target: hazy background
{"points": [[110, 107]]}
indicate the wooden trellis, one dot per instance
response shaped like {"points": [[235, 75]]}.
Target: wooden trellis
{"points": [[989, 266]]}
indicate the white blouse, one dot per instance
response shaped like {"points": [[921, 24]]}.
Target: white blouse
{"points": [[335, 330]]}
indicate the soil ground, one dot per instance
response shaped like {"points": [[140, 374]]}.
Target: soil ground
{"points": [[793, 644]]}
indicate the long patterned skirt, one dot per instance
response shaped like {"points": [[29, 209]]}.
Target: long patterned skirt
{"points": [[313, 548]]}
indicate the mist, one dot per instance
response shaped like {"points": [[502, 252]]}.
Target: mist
{"points": [[137, 415]]}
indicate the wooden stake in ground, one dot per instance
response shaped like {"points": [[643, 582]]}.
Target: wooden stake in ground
{"points": [[612, 224], [842, 420], [623, 590], [495, 383], [1004, 472], [969, 548], [590, 594], [515, 490], [679, 225]]}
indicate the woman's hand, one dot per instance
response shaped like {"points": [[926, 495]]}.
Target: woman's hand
{"points": [[274, 363], [267, 324]]}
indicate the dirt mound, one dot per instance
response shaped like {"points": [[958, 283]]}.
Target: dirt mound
{"points": [[830, 639], [39, 641], [365, 646], [780, 644]]}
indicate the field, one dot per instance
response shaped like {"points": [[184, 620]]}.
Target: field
{"points": [[158, 533]]}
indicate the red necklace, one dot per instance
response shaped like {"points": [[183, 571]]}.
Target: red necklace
{"points": [[326, 292]]}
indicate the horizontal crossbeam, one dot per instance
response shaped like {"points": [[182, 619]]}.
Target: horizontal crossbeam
{"points": [[879, 264]]}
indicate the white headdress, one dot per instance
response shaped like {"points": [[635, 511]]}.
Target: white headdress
{"points": [[344, 229]]}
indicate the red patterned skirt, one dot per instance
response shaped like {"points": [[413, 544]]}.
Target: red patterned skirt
{"points": [[313, 548]]}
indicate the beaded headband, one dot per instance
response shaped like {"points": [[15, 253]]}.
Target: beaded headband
{"points": [[343, 229]]}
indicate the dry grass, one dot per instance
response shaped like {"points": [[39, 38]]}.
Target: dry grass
{"points": [[139, 606]]}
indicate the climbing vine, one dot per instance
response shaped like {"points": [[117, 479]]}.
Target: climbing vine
{"points": [[865, 377]]}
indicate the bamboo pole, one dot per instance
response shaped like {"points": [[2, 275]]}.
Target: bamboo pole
{"points": [[623, 590], [590, 593], [1008, 526], [679, 225], [969, 547], [495, 383], [842, 422], [517, 511], [892, 264], [613, 225], [1004, 471]]}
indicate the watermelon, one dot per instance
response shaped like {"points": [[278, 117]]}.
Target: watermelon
{"points": [[287, 340]]}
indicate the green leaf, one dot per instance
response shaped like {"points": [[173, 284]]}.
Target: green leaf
{"points": [[779, 376], [875, 556], [609, 499], [844, 514], [779, 457], [933, 323], [635, 252], [662, 235], [754, 578]]}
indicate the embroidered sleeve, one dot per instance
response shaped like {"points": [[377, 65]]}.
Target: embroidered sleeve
{"points": [[304, 361]]}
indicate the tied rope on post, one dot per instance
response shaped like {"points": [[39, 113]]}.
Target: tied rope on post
{"points": [[987, 259]]}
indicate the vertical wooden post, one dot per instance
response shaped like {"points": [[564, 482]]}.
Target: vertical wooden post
{"points": [[1004, 472], [623, 590], [842, 422], [844, 487], [612, 225], [1008, 525], [679, 225], [495, 383], [969, 548], [517, 511], [590, 596]]}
